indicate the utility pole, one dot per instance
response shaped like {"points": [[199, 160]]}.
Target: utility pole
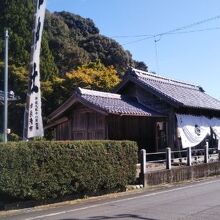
{"points": [[6, 89]]}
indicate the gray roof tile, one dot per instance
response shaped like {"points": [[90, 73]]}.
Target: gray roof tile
{"points": [[176, 91], [114, 103]]}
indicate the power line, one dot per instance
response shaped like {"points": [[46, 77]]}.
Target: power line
{"points": [[190, 25], [152, 35], [172, 33], [132, 36], [176, 30], [180, 30], [198, 30], [135, 41]]}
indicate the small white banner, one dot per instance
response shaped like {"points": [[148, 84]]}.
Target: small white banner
{"points": [[33, 123]]}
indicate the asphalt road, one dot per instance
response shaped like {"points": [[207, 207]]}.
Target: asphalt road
{"points": [[199, 200]]}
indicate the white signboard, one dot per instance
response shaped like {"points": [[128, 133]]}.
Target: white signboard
{"points": [[33, 124]]}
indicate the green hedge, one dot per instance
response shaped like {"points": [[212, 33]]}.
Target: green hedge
{"points": [[44, 170]]}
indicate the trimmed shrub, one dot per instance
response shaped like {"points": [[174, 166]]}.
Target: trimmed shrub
{"points": [[44, 170]]}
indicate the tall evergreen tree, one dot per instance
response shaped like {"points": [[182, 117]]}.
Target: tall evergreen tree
{"points": [[69, 41], [17, 17]]}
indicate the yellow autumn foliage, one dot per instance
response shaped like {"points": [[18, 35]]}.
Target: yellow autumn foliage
{"points": [[93, 75]]}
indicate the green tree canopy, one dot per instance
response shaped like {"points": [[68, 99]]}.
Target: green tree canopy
{"points": [[71, 46]]}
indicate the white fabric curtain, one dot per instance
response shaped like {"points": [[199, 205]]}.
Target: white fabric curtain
{"points": [[192, 129], [215, 125]]}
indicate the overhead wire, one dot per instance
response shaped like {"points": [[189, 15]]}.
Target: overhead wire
{"points": [[194, 31], [132, 36], [180, 30], [173, 31], [152, 35], [191, 25]]}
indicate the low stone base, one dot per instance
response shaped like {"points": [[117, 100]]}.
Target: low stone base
{"points": [[178, 174]]}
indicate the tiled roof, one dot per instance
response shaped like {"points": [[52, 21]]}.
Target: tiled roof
{"points": [[106, 103], [113, 103], [181, 93]]}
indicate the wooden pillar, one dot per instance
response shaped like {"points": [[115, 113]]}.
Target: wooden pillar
{"points": [[168, 158], [189, 156], [143, 167], [106, 122], [206, 154], [156, 136], [171, 128]]}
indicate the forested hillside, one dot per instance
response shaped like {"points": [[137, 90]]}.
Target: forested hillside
{"points": [[71, 46]]}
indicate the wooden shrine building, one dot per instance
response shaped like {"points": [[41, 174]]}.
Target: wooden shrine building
{"points": [[143, 108]]}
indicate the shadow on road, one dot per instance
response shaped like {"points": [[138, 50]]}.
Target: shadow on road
{"points": [[122, 216]]}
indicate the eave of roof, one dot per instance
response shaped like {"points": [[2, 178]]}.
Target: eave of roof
{"points": [[105, 103], [150, 89], [137, 77], [52, 124], [68, 103]]}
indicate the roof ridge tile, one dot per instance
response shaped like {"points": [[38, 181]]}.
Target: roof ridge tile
{"points": [[98, 93], [147, 75]]}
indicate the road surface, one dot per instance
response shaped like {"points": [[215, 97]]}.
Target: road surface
{"points": [[200, 200]]}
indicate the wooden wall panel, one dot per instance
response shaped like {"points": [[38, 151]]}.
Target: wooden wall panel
{"points": [[88, 125], [139, 129], [63, 131]]}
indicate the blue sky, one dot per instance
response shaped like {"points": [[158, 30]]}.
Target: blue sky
{"points": [[193, 57]]}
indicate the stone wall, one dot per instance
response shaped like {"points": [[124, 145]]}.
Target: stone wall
{"points": [[182, 173]]}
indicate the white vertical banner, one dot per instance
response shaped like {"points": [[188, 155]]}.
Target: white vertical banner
{"points": [[33, 123]]}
